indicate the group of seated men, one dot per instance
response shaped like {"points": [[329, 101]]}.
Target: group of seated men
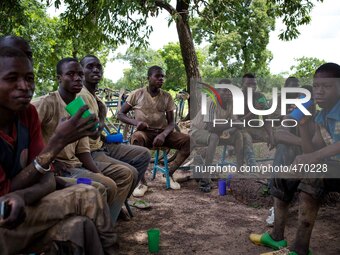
{"points": [[204, 133], [314, 141], [44, 150]]}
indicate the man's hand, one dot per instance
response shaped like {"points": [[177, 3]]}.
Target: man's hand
{"points": [[308, 158], [76, 127], [59, 167], [159, 140], [142, 126], [99, 131], [17, 213]]}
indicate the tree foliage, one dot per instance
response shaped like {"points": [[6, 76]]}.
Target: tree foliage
{"points": [[238, 37], [48, 41], [305, 68], [11, 13], [89, 24], [40, 31], [175, 70], [294, 13], [140, 60], [170, 59]]}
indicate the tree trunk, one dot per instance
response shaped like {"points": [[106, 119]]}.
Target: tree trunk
{"points": [[186, 42], [189, 58], [188, 52]]}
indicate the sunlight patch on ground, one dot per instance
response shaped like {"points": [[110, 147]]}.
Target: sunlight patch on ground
{"points": [[140, 236]]}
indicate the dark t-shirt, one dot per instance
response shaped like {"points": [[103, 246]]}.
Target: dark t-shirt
{"points": [[26, 138]]}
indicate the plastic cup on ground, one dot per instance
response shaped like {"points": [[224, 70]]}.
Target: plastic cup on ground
{"points": [[84, 181], [222, 187], [153, 240]]}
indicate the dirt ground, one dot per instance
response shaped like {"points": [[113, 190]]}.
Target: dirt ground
{"points": [[192, 222]]}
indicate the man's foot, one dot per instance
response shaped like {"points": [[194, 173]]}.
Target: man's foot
{"points": [[140, 190], [173, 184], [266, 240]]}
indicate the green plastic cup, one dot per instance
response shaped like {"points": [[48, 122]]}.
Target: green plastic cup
{"points": [[153, 240], [73, 107]]}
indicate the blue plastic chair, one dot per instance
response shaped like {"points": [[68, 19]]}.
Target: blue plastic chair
{"points": [[165, 168]]}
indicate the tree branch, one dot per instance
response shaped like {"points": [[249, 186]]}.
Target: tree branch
{"points": [[164, 5], [182, 5]]}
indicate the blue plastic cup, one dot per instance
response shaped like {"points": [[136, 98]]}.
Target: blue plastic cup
{"points": [[222, 187], [84, 181], [297, 114], [115, 138]]}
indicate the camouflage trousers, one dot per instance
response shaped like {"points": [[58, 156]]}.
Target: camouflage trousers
{"points": [[77, 215]]}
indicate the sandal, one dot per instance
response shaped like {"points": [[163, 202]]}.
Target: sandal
{"points": [[283, 251], [205, 189], [140, 204], [204, 186], [266, 240]]}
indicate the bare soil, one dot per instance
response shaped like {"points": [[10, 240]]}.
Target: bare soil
{"points": [[192, 222]]}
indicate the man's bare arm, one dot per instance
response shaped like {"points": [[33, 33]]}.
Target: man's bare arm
{"points": [[67, 132], [88, 162], [37, 191], [122, 115]]}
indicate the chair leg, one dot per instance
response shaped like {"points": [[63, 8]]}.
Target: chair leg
{"points": [[155, 165], [166, 169], [224, 154]]}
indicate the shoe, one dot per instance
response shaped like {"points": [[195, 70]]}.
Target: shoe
{"points": [[140, 190], [266, 240], [180, 177], [173, 184]]}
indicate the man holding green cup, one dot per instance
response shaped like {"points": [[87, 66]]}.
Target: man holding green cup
{"points": [[75, 159]]}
